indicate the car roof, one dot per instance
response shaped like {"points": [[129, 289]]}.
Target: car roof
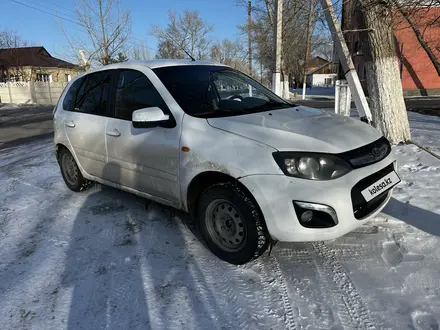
{"points": [[152, 64]]}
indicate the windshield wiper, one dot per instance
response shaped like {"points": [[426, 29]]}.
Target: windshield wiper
{"points": [[271, 106], [215, 113]]}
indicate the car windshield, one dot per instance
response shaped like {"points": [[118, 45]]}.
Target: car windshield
{"points": [[216, 91]]}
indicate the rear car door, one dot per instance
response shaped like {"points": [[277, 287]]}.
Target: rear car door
{"points": [[85, 123], [145, 159]]}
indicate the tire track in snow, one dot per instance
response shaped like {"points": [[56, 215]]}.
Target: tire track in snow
{"points": [[241, 294], [313, 309], [273, 282], [352, 311], [218, 284]]}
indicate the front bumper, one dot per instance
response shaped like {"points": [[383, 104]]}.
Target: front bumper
{"points": [[275, 195]]}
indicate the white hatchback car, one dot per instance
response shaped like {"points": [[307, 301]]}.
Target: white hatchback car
{"points": [[209, 140]]}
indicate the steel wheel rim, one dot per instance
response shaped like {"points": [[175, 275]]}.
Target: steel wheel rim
{"points": [[70, 169], [225, 225]]}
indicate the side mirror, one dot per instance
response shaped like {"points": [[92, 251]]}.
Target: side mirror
{"points": [[150, 117]]}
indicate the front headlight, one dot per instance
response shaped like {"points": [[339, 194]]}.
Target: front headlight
{"points": [[311, 166]]}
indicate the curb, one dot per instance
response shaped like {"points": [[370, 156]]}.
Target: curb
{"points": [[425, 149]]}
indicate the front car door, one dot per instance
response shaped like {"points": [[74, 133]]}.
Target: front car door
{"points": [[86, 121], [144, 159]]}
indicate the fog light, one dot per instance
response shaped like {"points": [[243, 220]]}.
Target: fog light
{"points": [[312, 215], [307, 216]]}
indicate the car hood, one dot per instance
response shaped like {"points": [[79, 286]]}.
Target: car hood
{"points": [[300, 129]]}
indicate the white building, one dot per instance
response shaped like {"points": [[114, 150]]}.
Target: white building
{"points": [[322, 76]]}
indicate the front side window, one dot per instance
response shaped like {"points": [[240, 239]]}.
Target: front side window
{"points": [[93, 95], [214, 91], [135, 91], [69, 98]]}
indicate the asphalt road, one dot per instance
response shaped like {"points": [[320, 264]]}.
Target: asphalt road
{"points": [[26, 123], [428, 105]]}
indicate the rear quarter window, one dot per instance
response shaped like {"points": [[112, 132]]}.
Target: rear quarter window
{"points": [[69, 98]]}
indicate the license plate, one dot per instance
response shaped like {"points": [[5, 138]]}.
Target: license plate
{"points": [[380, 186]]}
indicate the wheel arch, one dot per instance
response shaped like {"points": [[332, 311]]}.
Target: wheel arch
{"points": [[61, 146], [206, 179], [58, 148]]}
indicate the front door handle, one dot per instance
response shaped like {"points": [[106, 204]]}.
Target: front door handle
{"points": [[113, 132], [70, 124]]}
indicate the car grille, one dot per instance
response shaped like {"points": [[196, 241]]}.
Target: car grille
{"points": [[361, 208], [369, 154]]}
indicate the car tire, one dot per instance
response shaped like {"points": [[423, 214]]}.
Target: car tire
{"points": [[232, 224], [70, 171]]}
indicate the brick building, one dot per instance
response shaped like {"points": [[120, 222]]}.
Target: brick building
{"points": [[418, 74]]}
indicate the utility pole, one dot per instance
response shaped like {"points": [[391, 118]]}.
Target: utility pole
{"points": [[276, 76], [342, 90], [308, 41], [346, 62], [250, 36]]}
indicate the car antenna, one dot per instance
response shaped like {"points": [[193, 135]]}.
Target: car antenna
{"points": [[192, 58], [181, 47]]}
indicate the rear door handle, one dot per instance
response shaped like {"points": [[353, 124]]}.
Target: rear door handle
{"points": [[113, 132], [70, 124]]}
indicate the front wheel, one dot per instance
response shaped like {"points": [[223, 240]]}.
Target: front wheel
{"points": [[232, 224]]}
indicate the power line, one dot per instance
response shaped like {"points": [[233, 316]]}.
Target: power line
{"points": [[139, 38], [65, 12], [57, 5], [46, 12]]}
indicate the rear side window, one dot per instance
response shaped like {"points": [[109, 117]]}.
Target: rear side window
{"points": [[69, 98], [93, 95], [135, 91]]}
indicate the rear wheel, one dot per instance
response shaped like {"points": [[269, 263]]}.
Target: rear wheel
{"points": [[232, 224], [70, 171]]}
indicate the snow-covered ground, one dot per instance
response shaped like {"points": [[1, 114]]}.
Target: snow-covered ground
{"points": [[425, 130], [316, 92], [101, 260]]}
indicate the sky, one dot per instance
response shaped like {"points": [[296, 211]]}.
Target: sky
{"points": [[41, 28]]}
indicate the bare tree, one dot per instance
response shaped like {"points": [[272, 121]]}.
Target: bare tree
{"points": [[168, 49], [322, 43], [378, 20], [107, 29], [382, 70], [140, 52], [13, 67], [188, 31], [231, 53], [11, 39], [293, 35]]}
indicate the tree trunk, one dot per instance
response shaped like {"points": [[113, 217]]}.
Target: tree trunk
{"points": [[383, 79]]}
